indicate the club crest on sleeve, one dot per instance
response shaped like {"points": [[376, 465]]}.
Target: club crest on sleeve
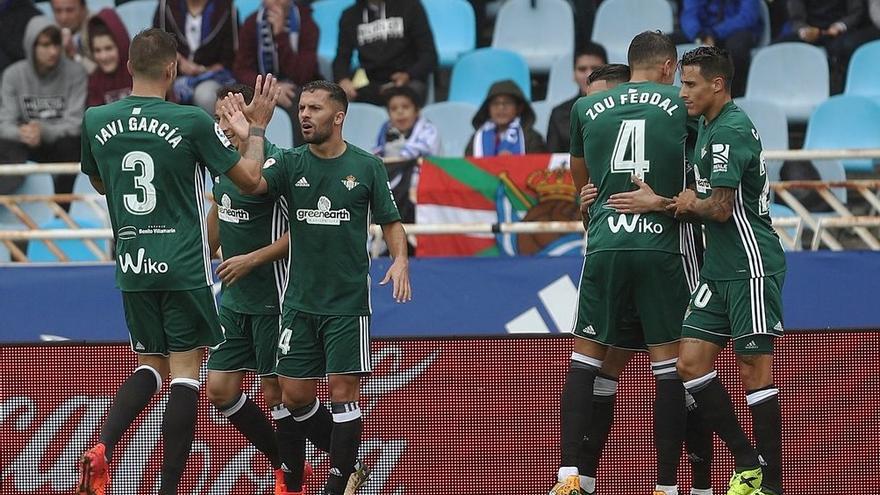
{"points": [[720, 153], [222, 137], [268, 163]]}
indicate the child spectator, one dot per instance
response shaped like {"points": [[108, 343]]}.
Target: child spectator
{"points": [[406, 134], [504, 124], [108, 40]]}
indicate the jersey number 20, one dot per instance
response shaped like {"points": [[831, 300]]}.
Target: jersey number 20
{"points": [[629, 150], [144, 202]]}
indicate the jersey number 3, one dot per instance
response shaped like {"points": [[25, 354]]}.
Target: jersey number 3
{"points": [[143, 202], [629, 150]]}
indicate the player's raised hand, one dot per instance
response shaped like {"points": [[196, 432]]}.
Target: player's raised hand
{"points": [[642, 200], [231, 110], [398, 274], [261, 108]]}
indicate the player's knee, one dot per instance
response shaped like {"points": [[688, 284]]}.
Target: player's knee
{"points": [[271, 390], [755, 370], [344, 388], [688, 369], [220, 394]]}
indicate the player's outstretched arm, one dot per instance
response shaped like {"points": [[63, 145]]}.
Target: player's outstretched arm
{"points": [[718, 207], [398, 273], [237, 267], [642, 200], [247, 173]]}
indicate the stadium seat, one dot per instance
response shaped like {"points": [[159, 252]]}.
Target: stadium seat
{"points": [[5, 255], [454, 28], [793, 75], [863, 74], [475, 72], [362, 124], [561, 85], [846, 121], [519, 20], [86, 210], [618, 21], [45, 8], [246, 8], [280, 130], [74, 249], [769, 120], [542, 116], [96, 5], [39, 212], [453, 121], [781, 211], [326, 14], [137, 15]]}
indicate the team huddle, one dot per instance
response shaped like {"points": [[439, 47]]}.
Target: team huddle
{"points": [[643, 193], [292, 225]]}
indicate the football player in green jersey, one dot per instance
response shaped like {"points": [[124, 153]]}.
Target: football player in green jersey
{"points": [[740, 293], [633, 261], [148, 157], [334, 191], [698, 437]]}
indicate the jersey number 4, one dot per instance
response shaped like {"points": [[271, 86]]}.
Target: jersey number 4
{"points": [[143, 202], [629, 150]]}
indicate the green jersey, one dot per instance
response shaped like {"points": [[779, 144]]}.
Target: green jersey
{"points": [[151, 156], [248, 223], [330, 202], [633, 129], [728, 154]]}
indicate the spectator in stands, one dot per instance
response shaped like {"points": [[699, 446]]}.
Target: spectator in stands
{"points": [[837, 25], [586, 61], [504, 124], [73, 18], [280, 38], [14, 17], [41, 103], [207, 38], [733, 25], [406, 134], [108, 40], [395, 47]]}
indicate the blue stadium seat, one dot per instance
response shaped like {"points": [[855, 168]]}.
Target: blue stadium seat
{"points": [[542, 116], [362, 124], [74, 249], [96, 5], [794, 75], [5, 255], [561, 85], [475, 72], [246, 8], [84, 209], [453, 121], [280, 130], [137, 15], [846, 121], [454, 28], [46, 9], [326, 14], [769, 120], [618, 21], [863, 75], [519, 20], [39, 212], [781, 211]]}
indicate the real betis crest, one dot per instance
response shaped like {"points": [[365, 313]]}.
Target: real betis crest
{"points": [[350, 182]]}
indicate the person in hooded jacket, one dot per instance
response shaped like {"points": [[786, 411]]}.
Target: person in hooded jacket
{"points": [[504, 124], [109, 46], [207, 39], [42, 99]]}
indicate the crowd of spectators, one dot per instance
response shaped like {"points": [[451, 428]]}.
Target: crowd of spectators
{"points": [[54, 68]]}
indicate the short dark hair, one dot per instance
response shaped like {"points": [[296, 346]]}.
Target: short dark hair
{"points": [[53, 32], [591, 48], [406, 92], [650, 48], [246, 91], [336, 92], [712, 61], [99, 29], [616, 73], [150, 51]]}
